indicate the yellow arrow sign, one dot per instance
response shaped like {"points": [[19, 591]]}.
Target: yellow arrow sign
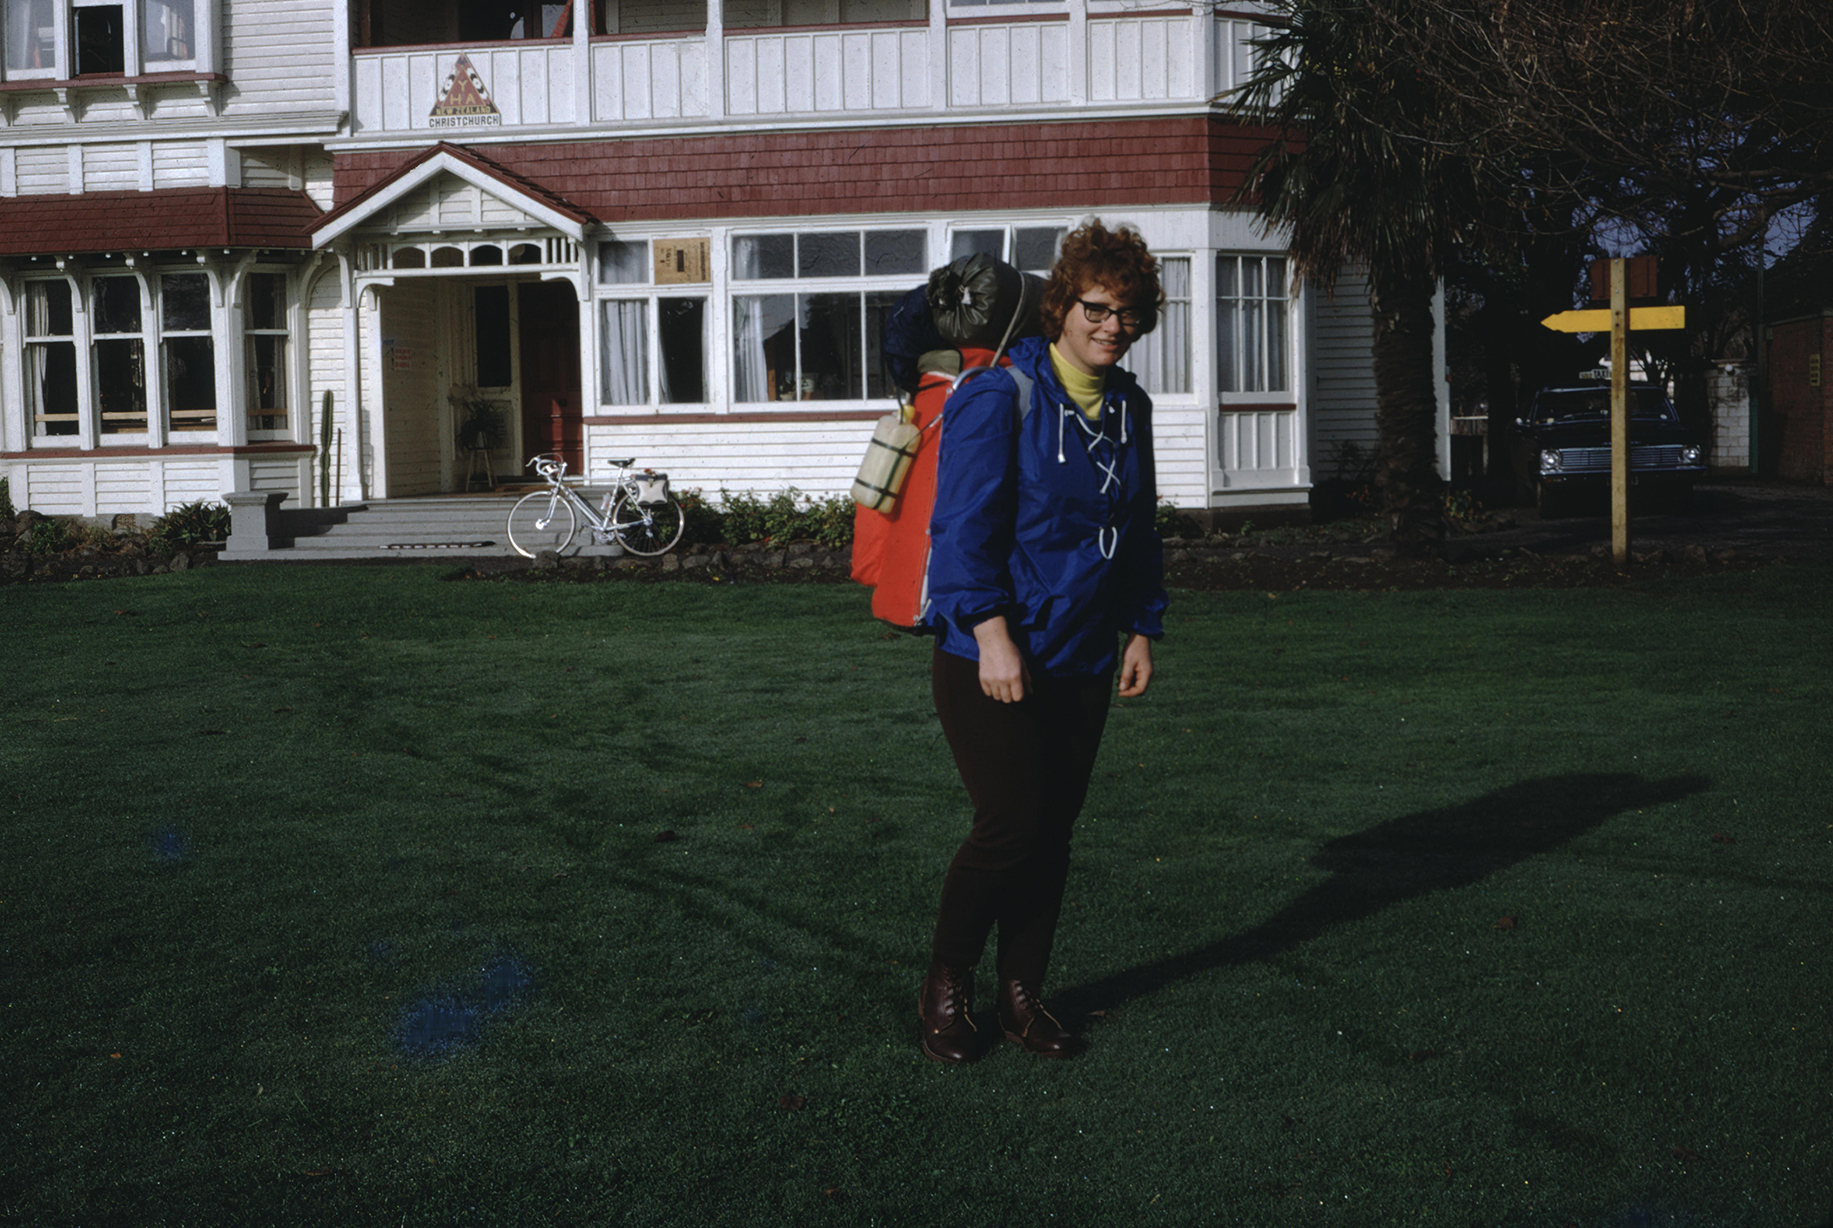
{"points": [[1597, 320]]}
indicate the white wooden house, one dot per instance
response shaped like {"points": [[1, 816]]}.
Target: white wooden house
{"points": [[660, 228]]}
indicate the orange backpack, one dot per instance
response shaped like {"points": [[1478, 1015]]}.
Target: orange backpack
{"points": [[891, 549]]}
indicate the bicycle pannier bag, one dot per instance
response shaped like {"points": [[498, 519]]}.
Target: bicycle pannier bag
{"points": [[651, 488]]}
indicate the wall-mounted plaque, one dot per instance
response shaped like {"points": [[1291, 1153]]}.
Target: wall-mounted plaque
{"points": [[683, 261]]}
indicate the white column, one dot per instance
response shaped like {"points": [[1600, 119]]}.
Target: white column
{"points": [[1203, 67], [15, 431], [343, 63], [940, 88], [715, 59], [226, 339], [207, 16], [87, 421], [1078, 51], [582, 62]]}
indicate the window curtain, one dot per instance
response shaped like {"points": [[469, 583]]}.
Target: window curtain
{"points": [[749, 368], [29, 24], [1161, 358], [622, 337], [165, 30]]}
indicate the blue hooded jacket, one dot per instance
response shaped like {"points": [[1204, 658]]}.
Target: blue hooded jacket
{"points": [[1046, 518]]}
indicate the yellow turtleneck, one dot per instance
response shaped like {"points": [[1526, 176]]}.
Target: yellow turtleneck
{"points": [[1084, 390]]}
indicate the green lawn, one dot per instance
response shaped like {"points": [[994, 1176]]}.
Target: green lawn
{"points": [[336, 896]]}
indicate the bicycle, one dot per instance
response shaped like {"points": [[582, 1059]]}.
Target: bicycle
{"points": [[637, 512]]}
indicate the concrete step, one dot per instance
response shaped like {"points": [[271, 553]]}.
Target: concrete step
{"points": [[449, 527]]}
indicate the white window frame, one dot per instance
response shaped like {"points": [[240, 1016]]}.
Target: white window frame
{"points": [[133, 61], [799, 287], [289, 412], [644, 290], [149, 363], [30, 342], [1009, 243], [1287, 392], [218, 346]]}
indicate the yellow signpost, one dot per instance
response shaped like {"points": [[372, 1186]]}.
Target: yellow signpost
{"points": [[1618, 321]]}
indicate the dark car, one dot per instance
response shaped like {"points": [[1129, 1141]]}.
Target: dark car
{"points": [[1561, 450]]}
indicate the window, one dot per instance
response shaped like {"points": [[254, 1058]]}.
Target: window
{"points": [[390, 23], [1251, 324], [809, 344], [651, 346], [1161, 358], [168, 33], [626, 341], [120, 356], [100, 39], [1032, 249], [494, 364], [264, 337], [189, 352], [87, 38], [31, 37], [50, 358]]}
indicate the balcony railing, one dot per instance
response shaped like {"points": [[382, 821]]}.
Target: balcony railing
{"points": [[920, 68]]}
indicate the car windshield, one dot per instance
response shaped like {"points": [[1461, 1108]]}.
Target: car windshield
{"points": [[1586, 404]]}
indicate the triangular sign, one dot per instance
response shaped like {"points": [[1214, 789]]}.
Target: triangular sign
{"points": [[464, 95]]}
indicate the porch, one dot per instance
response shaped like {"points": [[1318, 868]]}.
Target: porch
{"points": [[697, 64]]}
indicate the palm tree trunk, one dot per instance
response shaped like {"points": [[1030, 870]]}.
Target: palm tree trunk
{"points": [[1406, 406]]}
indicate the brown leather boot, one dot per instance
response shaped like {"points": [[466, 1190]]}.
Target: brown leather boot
{"points": [[1025, 1022], [946, 1011]]}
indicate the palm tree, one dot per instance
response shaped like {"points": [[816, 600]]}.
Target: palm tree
{"points": [[1353, 177]]}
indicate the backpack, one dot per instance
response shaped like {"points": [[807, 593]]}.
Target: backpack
{"points": [[891, 549]]}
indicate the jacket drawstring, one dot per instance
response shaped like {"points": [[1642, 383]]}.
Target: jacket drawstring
{"points": [[1061, 410]]}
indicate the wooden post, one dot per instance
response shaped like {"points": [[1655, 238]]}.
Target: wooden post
{"points": [[1619, 414]]}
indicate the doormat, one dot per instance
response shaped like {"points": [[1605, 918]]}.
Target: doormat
{"points": [[436, 545]]}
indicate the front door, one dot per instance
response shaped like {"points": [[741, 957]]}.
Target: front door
{"points": [[552, 418]]}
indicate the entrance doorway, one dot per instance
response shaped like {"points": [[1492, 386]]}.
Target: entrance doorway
{"points": [[552, 417]]}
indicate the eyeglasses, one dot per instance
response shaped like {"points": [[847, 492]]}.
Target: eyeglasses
{"points": [[1099, 312]]}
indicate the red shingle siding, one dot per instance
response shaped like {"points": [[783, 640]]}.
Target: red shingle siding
{"points": [[1077, 166], [166, 220]]}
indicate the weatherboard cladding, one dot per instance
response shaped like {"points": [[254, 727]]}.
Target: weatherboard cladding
{"points": [[164, 220], [1066, 166]]}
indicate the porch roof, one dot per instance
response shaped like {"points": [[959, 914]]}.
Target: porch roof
{"points": [[167, 219], [526, 195]]}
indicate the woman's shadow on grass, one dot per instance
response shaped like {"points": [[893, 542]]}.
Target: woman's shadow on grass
{"points": [[1401, 859]]}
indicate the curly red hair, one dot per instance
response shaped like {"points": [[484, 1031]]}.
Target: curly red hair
{"points": [[1115, 260]]}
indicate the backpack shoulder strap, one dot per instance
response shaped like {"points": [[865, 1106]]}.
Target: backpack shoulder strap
{"points": [[1025, 384]]}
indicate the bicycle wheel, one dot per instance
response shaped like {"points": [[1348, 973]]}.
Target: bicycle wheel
{"points": [[648, 528], [541, 520]]}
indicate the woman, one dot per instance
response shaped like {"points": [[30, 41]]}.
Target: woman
{"points": [[1043, 555]]}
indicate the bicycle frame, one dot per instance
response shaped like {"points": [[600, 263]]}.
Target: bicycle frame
{"points": [[605, 524]]}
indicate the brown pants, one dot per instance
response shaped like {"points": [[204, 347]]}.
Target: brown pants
{"points": [[1026, 767]]}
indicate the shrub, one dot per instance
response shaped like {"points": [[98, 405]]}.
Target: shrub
{"points": [[702, 519], [189, 524], [47, 537], [1172, 522], [742, 518], [6, 500]]}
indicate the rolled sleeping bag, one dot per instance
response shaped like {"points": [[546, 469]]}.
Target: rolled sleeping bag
{"points": [[909, 333], [973, 301]]}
